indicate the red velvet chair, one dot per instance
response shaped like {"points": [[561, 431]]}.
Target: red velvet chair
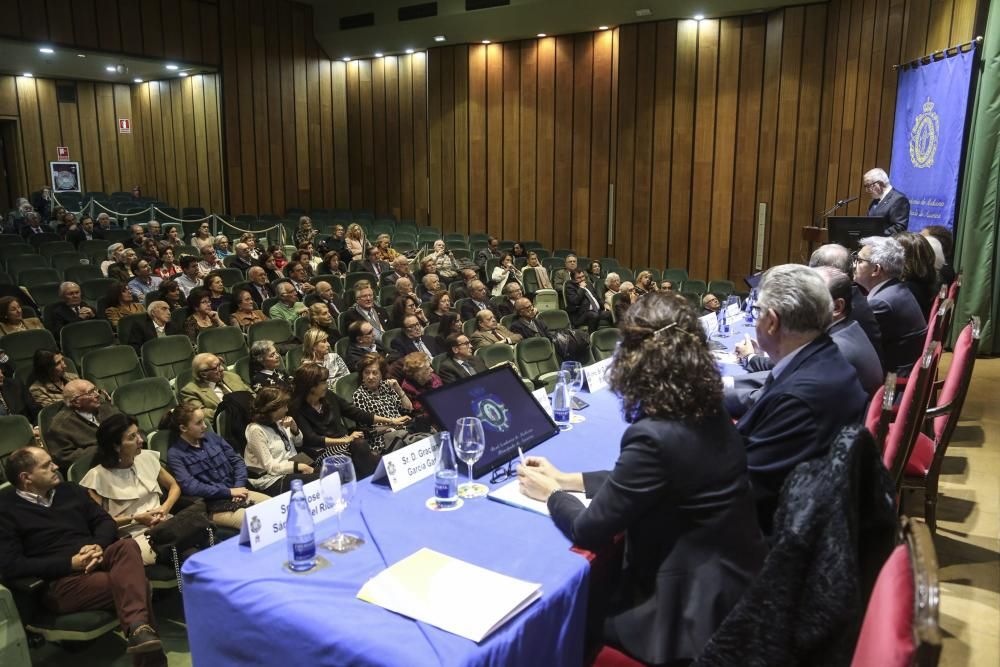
{"points": [[956, 286], [901, 627], [881, 410], [924, 465]]}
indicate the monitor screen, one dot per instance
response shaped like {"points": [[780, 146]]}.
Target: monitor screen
{"points": [[511, 416], [848, 230]]}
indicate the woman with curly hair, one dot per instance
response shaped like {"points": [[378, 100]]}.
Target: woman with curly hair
{"points": [[919, 273], [679, 490]]}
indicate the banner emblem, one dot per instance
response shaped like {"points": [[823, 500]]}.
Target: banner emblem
{"points": [[924, 137]]}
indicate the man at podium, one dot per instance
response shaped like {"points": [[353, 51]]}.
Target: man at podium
{"points": [[887, 201]]}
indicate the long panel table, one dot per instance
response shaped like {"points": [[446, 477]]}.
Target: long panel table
{"points": [[243, 608]]}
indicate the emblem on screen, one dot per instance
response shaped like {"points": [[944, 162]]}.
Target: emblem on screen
{"points": [[492, 412]]}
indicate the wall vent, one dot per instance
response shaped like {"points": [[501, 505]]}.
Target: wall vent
{"points": [[422, 11], [473, 5], [357, 21]]}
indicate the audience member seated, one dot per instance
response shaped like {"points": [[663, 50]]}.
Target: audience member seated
{"points": [[52, 530], [255, 251], [171, 239], [448, 324], [512, 292], [155, 325], [381, 396], [440, 306], [73, 431], [85, 231], [265, 367], [612, 286], [461, 290], [116, 256], [400, 269], [298, 276], [478, 300], [12, 317], [222, 249], [527, 324], [122, 271], [206, 466], [644, 283], [120, 301], [362, 342], [490, 332], [14, 398], [288, 307], [404, 306], [209, 262], [710, 304], [143, 281], [919, 273], [596, 279], [355, 242], [138, 236], [629, 295], [171, 294], [202, 237], [320, 318], [325, 295], [941, 240], [794, 417], [877, 268], [150, 252], [679, 491], [444, 261], [504, 274], [430, 281], [418, 379], [541, 273], [49, 377], [34, 226], [247, 311], [268, 262], [374, 264], [330, 264], [667, 285], [189, 278], [128, 482], [584, 309], [461, 362], [365, 309], [271, 456], [153, 231], [244, 260], [210, 382], [414, 340], [336, 244], [202, 317], [167, 267], [259, 287], [316, 349], [305, 232], [70, 309], [216, 290], [838, 257]]}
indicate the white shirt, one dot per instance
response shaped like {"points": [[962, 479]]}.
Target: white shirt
{"points": [[34, 498]]}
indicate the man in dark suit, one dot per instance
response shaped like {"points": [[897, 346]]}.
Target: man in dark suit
{"points": [[400, 269], [364, 309], [34, 225], [260, 289], [325, 295], [887, 201], [14, 399], [583, 307], [85, 231], [244, 260], [478, 300], [877, 268], [838, 257], [156, 324], [138, 236], [461, 363], [527, 324], [414, 340], [373, 263], [512, 292], [71, 309], [795, 415], [362, 341]]}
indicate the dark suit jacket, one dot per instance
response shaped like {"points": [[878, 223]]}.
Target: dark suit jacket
{"points": [[861, 312], [681, 495], [241, 264], [578, 305], [335, 307], [255, 293], [355, 352], [902, 325], [469, 310], [390, 278], [370, 268], [16, 396], [70, 436], [896, 207], [796, 416], [77, 236], [504, 308], [450, 371], [520, 326], [353, 316], [402, 345], [60, 315]]}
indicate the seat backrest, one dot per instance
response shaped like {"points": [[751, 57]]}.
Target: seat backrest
{"points": [[147, 400], [950, 399], [881, 410], [166, 356], [226, 342], [902, 434], [675, 276], [494, 355], [555, 318], [276, 331], [81, 273], [80, 467], [546, 299], [45, 294], [345, 386], [21, 345], [111, 367], [603, 341], [536, 356], [15, 432], [37, 275], [78, 338], [698, 286]]}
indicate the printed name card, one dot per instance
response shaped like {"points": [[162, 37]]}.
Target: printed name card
{"points": [[264, 524], [710, 323], [596, 375], [542, 397], [733, 313], [408, 465]]}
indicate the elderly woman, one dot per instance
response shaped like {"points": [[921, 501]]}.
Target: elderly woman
{"points": [[418, 379], [330, 265], [644, 283], [222, 249], [379, 396], [541, 273], [210, 382], [171, 239], [116, 255], [202, 238], [170, 293], [440, 306], [202, 317], [305, 233], [357, 244], [246, 312], [320, 318], [50, 377], [679, 490], [12, 318], [388, 254], [120, 302], [272, 438], [206, 466], [613, 283], [629, 295], [444, 261], [128, 482], [209, 262], [503, 273], [316, 350], [406, 305], [167, 268], [251, 241], [265, 367], [216, 290]]}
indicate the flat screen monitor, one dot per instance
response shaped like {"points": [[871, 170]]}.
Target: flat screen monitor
{"points": [[511, 416], [848, 230]]}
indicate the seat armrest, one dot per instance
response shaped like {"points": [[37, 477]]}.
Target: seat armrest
{"points": [[24, 584]]}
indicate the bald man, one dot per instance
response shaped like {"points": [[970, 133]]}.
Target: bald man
{"points": [[210, 382], [73, 431]]}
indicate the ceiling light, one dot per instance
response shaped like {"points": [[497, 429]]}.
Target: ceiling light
{"points": [[409, 51], [602, 27], [137, 80], [486, 41], [183, 73], [541, 34], [46, 49], [644, 12], [378, 54], [110, 68], [81, 55], [438, 38], [346, 59], [699, 17], [27, 75], [171, 67]]}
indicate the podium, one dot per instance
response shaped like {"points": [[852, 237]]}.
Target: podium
{"points": [[814, 236]]}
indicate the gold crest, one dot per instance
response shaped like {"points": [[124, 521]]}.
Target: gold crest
{"points": [[924, 137]]}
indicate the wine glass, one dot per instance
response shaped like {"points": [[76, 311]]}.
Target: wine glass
{"points": [[574, 381], [470, 443], [339, 483]]}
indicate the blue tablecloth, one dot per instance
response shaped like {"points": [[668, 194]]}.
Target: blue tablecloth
{"points": [[242, 608]]}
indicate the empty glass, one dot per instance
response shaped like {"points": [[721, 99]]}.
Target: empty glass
{"points": [[574, 380], [339, 483], [470, 443]]}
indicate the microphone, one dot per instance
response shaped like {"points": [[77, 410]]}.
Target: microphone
{"points": [[842, 202]]}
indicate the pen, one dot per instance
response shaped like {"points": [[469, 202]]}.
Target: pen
{"points": [[520, 454]]}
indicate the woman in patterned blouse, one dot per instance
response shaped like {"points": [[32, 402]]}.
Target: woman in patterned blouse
{"points": [[381, 397]]}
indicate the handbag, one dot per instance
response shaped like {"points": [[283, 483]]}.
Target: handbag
{"points": [[228, 505], [185, 531]]}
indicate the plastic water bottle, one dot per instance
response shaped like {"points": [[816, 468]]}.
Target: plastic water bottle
{"points": [[748, 306], [560, 402], [723, 324], [446, 474], [299, 531]]}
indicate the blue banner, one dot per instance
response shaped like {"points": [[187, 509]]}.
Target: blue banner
{"points": [[931, 103]]}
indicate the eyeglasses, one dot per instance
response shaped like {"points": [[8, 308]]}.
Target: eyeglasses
{"points": [[505, 473], [756, 310], [857, 259]]}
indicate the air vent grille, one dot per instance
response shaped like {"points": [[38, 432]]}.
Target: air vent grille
{"points": [[422, 11], [357, 21]]}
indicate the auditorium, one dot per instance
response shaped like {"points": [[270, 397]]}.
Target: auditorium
{"points": [[439, 333]]}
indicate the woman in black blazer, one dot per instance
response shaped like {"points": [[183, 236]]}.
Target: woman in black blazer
{"points": [[679, 491]]}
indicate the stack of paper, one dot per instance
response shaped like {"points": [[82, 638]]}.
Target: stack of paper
{"points": [[510, 494], [434, 588]]}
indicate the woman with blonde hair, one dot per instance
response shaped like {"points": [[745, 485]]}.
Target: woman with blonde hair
{"points": [[316, 349], [356, 242]]}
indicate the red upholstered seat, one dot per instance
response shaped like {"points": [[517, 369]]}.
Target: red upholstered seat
{"points": [[886, 638], [609, 657], [921, 457]]}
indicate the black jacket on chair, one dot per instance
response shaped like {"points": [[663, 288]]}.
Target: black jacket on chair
{"points": [[680, 493]]}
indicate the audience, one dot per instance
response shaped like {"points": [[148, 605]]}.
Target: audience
{"points": [[362, 342], [414, 340], [271, 456], [70, 309], [919, 271], [167, 268], [259, 287], [320, 318], [478, 300], [120, 301], [247, 311], [504, 274], [143, 281], [491, 251], [512, 292], [541, 273], [461, 362], [325, 295], [244, 258], [364, 309], [155, 325], [202, 238], [440, 305], [710, 304], [202, 317], [222, 247], [298, 276], [838, 257], [628, 294], [189, 278], [73, 430], [49, 377], [355, 242], [116, 257], [583, 307], [14, 397], [381, 396], [288, 307], [210, 382], [644, 283], [265, 367], [612, 286], [316, 349], [447, 325], [52, 530], [404, 306], [209, 261], [877, 268], [400, 269], [527, 324], [490, 332], [418, 379], [12, 317], [444, 261], [171, 294]]}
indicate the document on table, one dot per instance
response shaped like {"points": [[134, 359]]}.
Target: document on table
{"points": [[434, 588], [510, 494]]}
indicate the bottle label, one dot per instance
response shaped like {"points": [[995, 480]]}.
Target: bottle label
{"points": [[304, 550], [561, 416]]}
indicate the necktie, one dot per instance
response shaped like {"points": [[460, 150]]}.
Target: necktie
{"points": [[4, 410], [76, 309], [467, 367], [421, 347], [592, 299]]}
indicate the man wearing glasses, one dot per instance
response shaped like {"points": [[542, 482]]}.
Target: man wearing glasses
{"points": [[210, 383], [887, 201], [461, 363], [73, 431], [414, 340]]}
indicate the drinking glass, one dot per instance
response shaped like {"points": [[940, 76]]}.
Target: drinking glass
{"points": [[470, 443], [574, 381], [339, 483]]}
